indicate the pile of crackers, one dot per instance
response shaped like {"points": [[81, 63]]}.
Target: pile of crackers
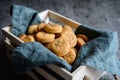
{"points": [[61, 40]]}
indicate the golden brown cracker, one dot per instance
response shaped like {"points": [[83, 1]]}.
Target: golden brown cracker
{"points": [[80, 42], [70, 56], [41, 26], [53, 28], [60, 47], [44, 37], [29, 38], [84, 37], [33, 29], [70, 37]]}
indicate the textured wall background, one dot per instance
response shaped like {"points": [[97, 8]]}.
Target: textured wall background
{"points": [[102, 14]]}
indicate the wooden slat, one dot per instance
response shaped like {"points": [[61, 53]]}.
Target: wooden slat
{"points": [[32, 75], [10, 36], [44, 73], [63, 19], [63, 73]]}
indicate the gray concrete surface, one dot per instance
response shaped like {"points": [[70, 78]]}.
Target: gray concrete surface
{"points": [[102, 14]]}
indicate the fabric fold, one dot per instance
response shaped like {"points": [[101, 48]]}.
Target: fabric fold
{"points": [[99, 52], [22, 18], [29, 55]]}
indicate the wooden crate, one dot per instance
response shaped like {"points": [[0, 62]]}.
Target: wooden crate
{"points": [[50, 16]]}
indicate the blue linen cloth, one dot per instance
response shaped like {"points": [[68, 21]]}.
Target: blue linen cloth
{"points": [[29, 55], [99, 52], [22, 18]]}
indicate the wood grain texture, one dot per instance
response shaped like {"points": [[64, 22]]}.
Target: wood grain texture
{"points": [[101, 14]]}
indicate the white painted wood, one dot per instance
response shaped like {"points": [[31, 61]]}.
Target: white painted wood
{"points": [[79, 75], [8, 45], [63, 19], [44, 16], [9, 48], [90, 72], [117, 77], [10, 36], [65, 74]]}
